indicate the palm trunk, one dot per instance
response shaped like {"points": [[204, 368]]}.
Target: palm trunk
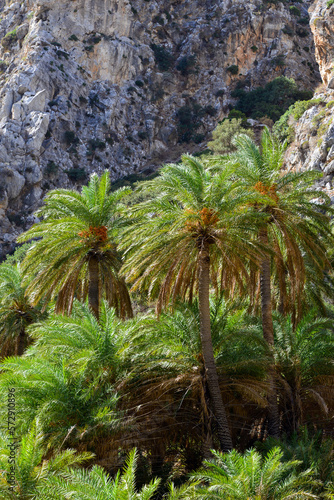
{"points": [[93, 285], [207, 349], [21, 342], [268, 333]]}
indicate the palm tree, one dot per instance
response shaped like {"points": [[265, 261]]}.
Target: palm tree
{"points": [[295, 224], [182, 235], [233, 476], [73, 409], [31, 469], [82, 484], [304, 360], [85, 344], [16, 312], [76, 254], [168, 381]]}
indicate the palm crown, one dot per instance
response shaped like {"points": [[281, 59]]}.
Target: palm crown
{"points": [[189, 208], [76, 253]]}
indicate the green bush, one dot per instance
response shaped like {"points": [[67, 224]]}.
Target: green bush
{"points": [[272, 100], [51, 168], [96, 144], [158, 19], [304, 20], [186, 64], [189, 119], [294, 10], [76, 174], [142, 135], [239, 115], [223, 134], [198, 138], [210, 110], [288, 30], [283, 128], [330, 3], [234, 69], [70, 137], [302, 33], [279, 61], [3, 66], [9, 38], [73, 38], [163, 57]]}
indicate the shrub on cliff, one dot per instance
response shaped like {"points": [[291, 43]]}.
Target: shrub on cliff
{"points": [[283, 128], [272, 100], [223, 134]]}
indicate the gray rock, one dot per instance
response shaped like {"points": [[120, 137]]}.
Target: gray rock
{"points": [[6, 106], [22, 31], [12, 182], [35, 102], [329, 168]]}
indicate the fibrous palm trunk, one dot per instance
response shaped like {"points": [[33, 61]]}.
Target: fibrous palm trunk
{"points": [[268, 333], [207, 348], [21, 342], [93, 284]]}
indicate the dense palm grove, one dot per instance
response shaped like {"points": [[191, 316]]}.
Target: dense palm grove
{"points": [[175, 341]]}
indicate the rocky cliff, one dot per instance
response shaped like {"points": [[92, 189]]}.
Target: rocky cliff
{"points": [[313, 144], [88, 85]]}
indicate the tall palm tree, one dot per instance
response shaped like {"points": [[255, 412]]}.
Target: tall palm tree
{"points": [[182, 235], [16, 312], [75, 253], [295, 223]]}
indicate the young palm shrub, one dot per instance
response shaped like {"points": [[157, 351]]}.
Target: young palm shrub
{"points": [[76, 254], [182, 235], [83, 343], [82, 359], [296, 223], [168, 380], [16, 312], [32, 470], [95, 483], [73, 409], [304, 360], [233, 476], [312, 451]]}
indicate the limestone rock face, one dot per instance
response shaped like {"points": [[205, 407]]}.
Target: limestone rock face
{"points": [[322, 28], [313, 145], [89, 85]]}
